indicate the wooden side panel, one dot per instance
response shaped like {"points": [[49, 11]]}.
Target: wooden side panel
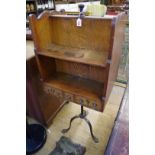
{"points": [[41, 30], [81, 70], [39, 105], [33, 108], [94, 33], [117, 42]]}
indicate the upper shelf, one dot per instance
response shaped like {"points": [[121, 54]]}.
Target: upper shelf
{"points": [[85, 56]]}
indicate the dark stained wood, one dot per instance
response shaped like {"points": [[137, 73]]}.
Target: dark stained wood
{"points": [[32, 107], [39, 105], [78, 63]]}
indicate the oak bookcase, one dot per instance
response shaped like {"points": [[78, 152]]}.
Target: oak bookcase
{"points": [[78, 64]]}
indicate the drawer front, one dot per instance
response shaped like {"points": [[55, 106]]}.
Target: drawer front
{"points": [[53, 91], [66, 96], [90, 103]]}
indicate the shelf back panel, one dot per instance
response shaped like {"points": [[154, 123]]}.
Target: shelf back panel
{"points": [[81, 70], [94, 34]]}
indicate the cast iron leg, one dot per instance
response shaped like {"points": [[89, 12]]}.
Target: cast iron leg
{"points": [[82, 115], [66, 130], [91, 130]]}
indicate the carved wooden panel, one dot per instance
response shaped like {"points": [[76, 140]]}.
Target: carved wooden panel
{"points": [[53, 91], [90, 103], [65, 96], [68, 96]]}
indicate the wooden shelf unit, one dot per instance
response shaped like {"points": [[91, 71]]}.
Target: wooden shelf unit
{"points": [[78, 64]]}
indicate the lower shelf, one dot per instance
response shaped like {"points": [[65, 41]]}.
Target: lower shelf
{"points": [[74, 88]]}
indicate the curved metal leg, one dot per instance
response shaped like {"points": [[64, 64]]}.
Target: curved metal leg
{"points": [[91, 130], [66, 130]]}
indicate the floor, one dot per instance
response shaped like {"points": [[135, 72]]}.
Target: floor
{"points": [[119, 140], [79, 133]]}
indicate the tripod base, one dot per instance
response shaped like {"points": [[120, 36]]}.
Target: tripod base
{"points": [[35, 138], [82, 115]]}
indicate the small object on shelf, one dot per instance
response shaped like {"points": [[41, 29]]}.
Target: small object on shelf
{"points": [[32, 7], [81, 7], [28, 8]]}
